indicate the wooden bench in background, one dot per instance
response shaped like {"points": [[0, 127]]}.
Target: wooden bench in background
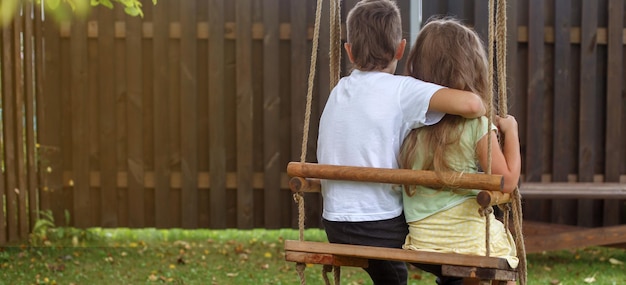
{"points": [[546, 236]]}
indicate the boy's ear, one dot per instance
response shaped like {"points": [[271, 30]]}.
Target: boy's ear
{"points": [[400, 49], [348, 48]]}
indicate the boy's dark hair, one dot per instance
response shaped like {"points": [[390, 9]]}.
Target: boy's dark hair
{"points": [[374, 31]]}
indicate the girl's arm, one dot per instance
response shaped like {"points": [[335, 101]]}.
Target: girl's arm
{"points": [[506, 161], [457, 102]]}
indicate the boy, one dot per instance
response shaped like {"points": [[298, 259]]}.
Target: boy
{"points": [[366, 118]]}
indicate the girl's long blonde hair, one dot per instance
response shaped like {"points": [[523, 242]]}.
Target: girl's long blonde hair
{"points": [[449, 54]]}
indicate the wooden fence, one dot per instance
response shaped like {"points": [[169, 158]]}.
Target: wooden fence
{"points": [[185, 118], [188, 117], [20, 63]]}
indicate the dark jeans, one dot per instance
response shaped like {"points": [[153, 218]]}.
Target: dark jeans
{"points": [[386, 233]]}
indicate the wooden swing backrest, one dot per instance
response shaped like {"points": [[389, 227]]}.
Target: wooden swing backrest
{"points": [[305, 178]]}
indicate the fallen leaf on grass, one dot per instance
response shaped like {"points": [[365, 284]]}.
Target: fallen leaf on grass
{"points": [[239, 248], [615, 261], [234, 274], [182, 244], [591, 279], [56, 267]]}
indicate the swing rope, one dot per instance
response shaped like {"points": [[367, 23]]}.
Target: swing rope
{"points": [[335, 39], [299, 197], [501, 19], [486, 211], [335, 69], [498, 29]]}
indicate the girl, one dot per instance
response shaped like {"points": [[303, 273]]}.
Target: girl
{"points": [[447, 220]]}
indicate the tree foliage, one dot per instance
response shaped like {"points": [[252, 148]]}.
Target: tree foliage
{"points": [[65, 9], [131, 7]]}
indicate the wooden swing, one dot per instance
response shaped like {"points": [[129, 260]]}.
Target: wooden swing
{"points": [[306, 178]]}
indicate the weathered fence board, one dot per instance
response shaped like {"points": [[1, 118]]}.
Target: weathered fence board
{"points": [[107, 114], [20, 159], [82, 211], [189, 113], [588, 129], [8, 120], [512, 59], [135, 107], [161, 141], [50, 142], [299, 69], [536, 102], [244, 126], [38, 91], [174, 107], [120, 87], [564, 118], [615, 150], [202, 102], [272, 166], [29, 115], [217, 148], [481, 18]]}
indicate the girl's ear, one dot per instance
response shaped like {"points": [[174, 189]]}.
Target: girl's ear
{"points": [[400, 49], [348, 48]]}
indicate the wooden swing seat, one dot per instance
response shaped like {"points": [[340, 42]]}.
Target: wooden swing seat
{"points": [[457, 265], [306, 178]]}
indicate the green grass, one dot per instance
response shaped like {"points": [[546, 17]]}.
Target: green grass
{"points": [[151, 256]]}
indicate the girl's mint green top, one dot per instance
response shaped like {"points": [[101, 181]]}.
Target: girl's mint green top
{"points": [[427, 201]]}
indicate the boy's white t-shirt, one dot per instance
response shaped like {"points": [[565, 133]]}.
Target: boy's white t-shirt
{"points": [[364, 123]]}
